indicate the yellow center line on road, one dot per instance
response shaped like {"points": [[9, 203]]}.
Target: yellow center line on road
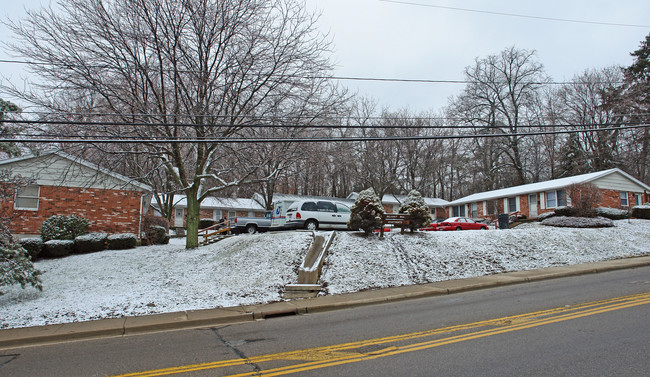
{"points": [[328, 356]]}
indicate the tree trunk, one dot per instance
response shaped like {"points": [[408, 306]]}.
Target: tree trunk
{"points": [[192, 222]]}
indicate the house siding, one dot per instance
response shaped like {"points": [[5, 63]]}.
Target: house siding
{"points": [[53, 170], [108, 211], [619, 182]]}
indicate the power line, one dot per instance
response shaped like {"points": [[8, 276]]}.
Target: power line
{"points": [[515, 14], [256, 118], [133, 140], [309, 126], [353, 78]]}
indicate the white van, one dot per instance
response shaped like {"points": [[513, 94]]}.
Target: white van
{"points": [[317, 214]]}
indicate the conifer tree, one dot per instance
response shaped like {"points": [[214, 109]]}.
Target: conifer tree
{"points": [[366, 212], [415, 206], [16, 266]]}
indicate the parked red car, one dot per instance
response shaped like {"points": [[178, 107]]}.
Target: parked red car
{"points": [[456, 223]]}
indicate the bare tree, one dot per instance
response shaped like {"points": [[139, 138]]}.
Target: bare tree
{"points": [[498, 99], [181, 70], [581, 105]]}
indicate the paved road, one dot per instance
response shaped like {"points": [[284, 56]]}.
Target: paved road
{"points": [[581, 326]]}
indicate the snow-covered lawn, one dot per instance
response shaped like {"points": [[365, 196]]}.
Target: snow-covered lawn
{"points": [[254, 269]]}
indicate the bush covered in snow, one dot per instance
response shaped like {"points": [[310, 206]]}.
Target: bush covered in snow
{"points": [[641, 212], [156, 235], [122, 241], [613, 213], [34, 246], [568, 212], [16, 266], [90, 243], [545, 216], [578, 222], [366, 212], [61, 227], [155, 220], [57, 248], [415, 206]]}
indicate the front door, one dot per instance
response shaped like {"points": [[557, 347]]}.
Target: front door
{"points": [[179, 213], [532, 205]]}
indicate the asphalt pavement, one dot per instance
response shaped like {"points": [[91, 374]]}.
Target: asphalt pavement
{"points": [[115, 327]]}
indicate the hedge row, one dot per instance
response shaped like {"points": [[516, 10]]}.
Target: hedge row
{"points": [[638, 212], [86, 243]]}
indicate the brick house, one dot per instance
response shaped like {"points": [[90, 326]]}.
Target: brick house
{"points": [[66, 185], [619, 190], [214, 208]]}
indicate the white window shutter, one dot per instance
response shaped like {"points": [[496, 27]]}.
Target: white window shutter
{"points": [[518, 203], [542, 201]]}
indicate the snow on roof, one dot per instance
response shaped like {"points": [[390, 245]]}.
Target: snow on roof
{"points": [[553, 184], [398, 199], [180, 201]]}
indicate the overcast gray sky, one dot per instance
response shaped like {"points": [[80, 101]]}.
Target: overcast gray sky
{"points": [[393, 39]]}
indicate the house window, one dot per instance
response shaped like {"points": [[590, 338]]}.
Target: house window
{"points": [[554, 199], [459, 211], [27, 198], [232, 215], [474, 210], [624, 201], [512, 204], [491, 207], [638, 198], [216, 214]]}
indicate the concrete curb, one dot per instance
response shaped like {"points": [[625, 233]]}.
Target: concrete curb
{"points": [[39, 335]]}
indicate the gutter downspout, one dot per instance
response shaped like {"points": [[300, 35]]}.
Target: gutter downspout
{"points": [[140, 219]]}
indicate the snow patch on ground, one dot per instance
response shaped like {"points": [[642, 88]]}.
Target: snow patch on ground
{"points": [[354, 265], [157, 279], [251, 269]]}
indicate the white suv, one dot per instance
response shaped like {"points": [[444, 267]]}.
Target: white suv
{"points": [[317, 214]]}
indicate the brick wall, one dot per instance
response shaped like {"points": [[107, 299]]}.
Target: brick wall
{"points": [[203, 214], [524, 206], [109, 211]]}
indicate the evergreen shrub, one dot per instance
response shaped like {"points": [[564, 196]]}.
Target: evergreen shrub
{"points": [[156, 235], [417, 210], [90, 243], [578, 222], [641, 212], [34, 246], [366, 212], [206, 223], [57, 248], [155, 220], [122, 241], [16, 266], [613, 213], [61, 227], [566, 211]]}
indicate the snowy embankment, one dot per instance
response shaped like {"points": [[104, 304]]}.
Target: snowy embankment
{"points": [[254, 269]]}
